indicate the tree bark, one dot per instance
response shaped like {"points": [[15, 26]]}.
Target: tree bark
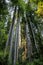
{"points": [[32, 31], [10, 31], [29, 44], [16, 40]]}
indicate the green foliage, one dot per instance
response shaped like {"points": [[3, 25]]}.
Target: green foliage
{"points": [[22, 4], [3, 36], [34, 62], [3, 60], [17, 63], [14, 2], [3, 7], [38, 62], [4, 29]]}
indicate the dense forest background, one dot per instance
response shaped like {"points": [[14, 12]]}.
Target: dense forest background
{"points": [[21, 32]]}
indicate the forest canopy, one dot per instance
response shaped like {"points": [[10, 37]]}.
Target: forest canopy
{"points": [[21, 32]]}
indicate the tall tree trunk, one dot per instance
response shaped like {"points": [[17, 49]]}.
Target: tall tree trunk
{"points": [[29, 44], [10, 31], [16, 40], [31, 22], [35, 43], [11, 43], [40, 42], [17, 44], [15, 48], [10, 52], [18, 34]]}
